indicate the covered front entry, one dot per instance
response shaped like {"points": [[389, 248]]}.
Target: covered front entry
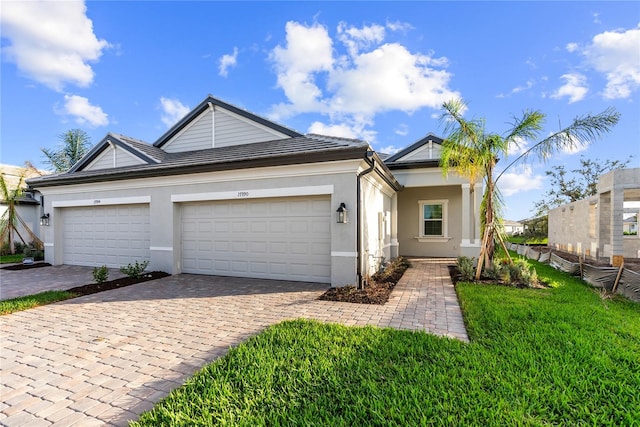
{"points": [[271, 238], [114, 235]]}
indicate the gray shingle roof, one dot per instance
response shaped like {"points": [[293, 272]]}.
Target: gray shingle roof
{"points": [[297, 150]]}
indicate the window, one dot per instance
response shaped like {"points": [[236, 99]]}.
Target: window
{"points": [[433, 218]]}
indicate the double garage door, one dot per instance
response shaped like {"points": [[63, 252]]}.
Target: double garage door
{"points": [[275, 238], [106, 235]]}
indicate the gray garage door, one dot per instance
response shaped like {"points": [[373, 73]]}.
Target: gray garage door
{"points": [[275, 238], [105, 235]]}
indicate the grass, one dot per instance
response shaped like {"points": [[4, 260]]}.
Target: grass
{"points": [[529, 240], [557, 356], [30, 301], [8, 259]]}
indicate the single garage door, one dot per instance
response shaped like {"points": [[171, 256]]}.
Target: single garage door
{"points": [[106, 235], [279, 238]]}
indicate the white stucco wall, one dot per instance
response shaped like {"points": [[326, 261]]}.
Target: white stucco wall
{"points": [[337, 179]]}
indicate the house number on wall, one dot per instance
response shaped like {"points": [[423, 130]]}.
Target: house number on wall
{"points": [[96, 202], [243, 194]]}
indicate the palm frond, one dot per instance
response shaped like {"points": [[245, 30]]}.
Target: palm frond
{"points": [[582, 132]]}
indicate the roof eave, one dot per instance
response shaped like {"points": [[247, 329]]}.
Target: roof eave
{"points": [[180, 169]]}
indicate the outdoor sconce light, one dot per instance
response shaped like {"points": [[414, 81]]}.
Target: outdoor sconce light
{"points": [[341, 214], [44, 220]]}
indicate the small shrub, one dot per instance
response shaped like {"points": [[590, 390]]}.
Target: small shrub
{"points": [[134, 270], [494, 272], [466, 268], [100, 274]]}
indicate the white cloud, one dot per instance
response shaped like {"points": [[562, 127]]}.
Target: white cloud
{"points": [[389, 149], [308, 51], [402, 129], [617, 56], [521, 179], [84, 112], [575, 88], [399, 26], [571, 47], [517, 147], [172, 111], [356, 39], [368, 78], [227, 61], [528, 85], [52, 42], [355, 130], [340, 130]]}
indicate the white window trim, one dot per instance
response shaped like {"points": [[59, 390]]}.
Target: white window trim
{"points": [[445, 222]]}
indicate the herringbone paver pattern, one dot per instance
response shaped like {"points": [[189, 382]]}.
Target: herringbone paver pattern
{"points": [[105, 358]]}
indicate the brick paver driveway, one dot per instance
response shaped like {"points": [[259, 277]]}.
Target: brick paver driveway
{"points": [[105, 358]]}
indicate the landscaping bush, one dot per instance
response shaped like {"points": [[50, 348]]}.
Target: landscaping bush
{"points": [[134, 270], [466, 268], [100, 274]]}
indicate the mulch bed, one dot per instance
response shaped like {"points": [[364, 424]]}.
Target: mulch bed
{"points": [[376, 291], [117, 283], [27, 266]]}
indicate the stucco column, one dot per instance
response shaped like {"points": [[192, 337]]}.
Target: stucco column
{"points": [[395, 248], [477, 202], [466, 215]]}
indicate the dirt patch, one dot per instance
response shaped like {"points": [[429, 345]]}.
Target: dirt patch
{"points": [[27, 266], [117, 283], [376, 291]]}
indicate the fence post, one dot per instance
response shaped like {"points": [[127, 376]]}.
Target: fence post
{"points": [[615, 284]]}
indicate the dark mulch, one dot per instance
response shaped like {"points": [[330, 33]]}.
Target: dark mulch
{"points": [[117, 283], [376, 291], [27, 266]]}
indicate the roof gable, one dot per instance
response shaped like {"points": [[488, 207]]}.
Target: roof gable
{"points": [[425, 149], [116, 150], [214, 123]]}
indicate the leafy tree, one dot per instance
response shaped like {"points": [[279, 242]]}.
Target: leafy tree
{"points": [[74, 144], [473, 152], [10, 218], [583, 183]]}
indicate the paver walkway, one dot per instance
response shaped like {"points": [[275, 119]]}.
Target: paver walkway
{"points": [[17, 283], [105, 358]]}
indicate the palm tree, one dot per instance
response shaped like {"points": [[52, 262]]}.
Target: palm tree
{"points": [[473, 153], [75, 143], [10, 218]]}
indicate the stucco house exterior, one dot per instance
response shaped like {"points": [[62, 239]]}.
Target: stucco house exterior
{"points": [[227, 192], [595, 227]]}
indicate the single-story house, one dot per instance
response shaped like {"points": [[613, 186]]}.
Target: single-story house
{"points": [[512, 227], [227, 192], [595, 227]]}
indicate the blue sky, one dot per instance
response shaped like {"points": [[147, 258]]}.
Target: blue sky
{"points": [[373, 70]]}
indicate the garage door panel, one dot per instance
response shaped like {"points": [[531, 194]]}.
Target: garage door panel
{"points": [[105, 235], [266, 238]]}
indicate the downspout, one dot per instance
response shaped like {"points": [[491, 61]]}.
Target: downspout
{"points": [[372, 164]]}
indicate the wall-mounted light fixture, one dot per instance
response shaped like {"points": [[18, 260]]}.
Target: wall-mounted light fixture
{"points": [[44, 220], [341, 214]]}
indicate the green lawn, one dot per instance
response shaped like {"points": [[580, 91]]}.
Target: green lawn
{"points": [[528, 240], [558, 356], [23, 303], [7, 259]]}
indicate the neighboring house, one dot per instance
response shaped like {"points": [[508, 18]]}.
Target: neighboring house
{"points": [[28, 206], [595, 227], [512, 227], [227, 192]]}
